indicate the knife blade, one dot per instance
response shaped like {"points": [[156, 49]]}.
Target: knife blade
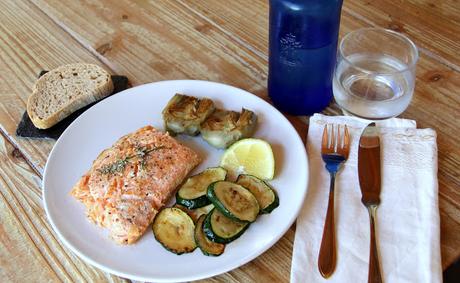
{"points": [[369, 165], [370, 184]]}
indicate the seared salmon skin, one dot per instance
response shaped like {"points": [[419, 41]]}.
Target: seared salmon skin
{"points": [[131, 181]]}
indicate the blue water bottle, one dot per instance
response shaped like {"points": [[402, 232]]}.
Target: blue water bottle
{"points": [[302, 53]]}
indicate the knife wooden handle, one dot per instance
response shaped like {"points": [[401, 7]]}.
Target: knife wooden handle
{"points": [[374, 265], [327, 253]]}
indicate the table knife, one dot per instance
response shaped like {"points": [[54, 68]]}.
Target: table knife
{"points": [[370, 182]]}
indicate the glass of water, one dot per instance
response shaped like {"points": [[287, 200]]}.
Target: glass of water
{"points": [[375, 73]]}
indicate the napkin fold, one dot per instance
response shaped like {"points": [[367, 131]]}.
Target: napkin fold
{"points": [[407, 224]]}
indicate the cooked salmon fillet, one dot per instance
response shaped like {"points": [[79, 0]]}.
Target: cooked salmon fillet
{"points": [[129, 182]]}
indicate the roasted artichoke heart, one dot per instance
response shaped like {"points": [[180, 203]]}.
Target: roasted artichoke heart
{"points": [[223, 128], [184, 114]]}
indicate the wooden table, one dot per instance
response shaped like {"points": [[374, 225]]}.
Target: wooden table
{"points": [[216, 40]]}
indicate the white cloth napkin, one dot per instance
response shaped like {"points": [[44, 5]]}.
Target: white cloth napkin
{"points": [[407, 225]]}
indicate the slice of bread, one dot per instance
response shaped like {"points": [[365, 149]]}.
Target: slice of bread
{"points": [[61, 91]]}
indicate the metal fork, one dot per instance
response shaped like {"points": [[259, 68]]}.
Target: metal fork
{"points": [[335, 147]]}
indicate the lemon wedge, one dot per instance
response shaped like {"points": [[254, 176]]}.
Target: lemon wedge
{"points": [[250, 156]]}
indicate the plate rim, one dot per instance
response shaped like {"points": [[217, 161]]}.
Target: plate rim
{"points": [[203, 275]]}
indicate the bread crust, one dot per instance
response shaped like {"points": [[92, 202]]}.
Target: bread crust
{"points": [[77, 76]]}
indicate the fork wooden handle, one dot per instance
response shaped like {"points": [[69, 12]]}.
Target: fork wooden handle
{"points": [[327, 251], [374, 266]]}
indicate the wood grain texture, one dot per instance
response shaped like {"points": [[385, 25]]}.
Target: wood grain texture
{"points": [[29, 249], [143, 40], [211, 40], [272, 266], [157, 40], [235, 71], [246, 23], [29, 43], [435, 104], [433, 25]]}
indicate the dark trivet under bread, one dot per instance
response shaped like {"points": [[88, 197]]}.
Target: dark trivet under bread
{"points": [[27, 129]]}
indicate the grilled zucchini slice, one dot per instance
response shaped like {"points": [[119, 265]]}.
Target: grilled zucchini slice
{"points": [[221, 229], [234, 201], [197, 212], [223, 128], [207, 246], [265, 195], [183, 114], [192, 194], [175, 230]]}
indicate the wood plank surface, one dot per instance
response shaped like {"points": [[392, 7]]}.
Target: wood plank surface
{"points": [[284, 248], [435, 104], [29, 43], [272, 266], [29, 249], [157, 40], [138, 46], [195, 39], [433, 25]]}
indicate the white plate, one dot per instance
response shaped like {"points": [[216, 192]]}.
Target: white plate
{"points": [[101, 125]]}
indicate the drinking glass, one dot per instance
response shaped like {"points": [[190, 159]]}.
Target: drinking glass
{"points": [[375, 73]]}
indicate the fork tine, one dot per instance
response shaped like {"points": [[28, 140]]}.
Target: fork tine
{"points": [[347, 137], [334, 151], [346, 140], [333, 137], [324, 143], [339, 138]]}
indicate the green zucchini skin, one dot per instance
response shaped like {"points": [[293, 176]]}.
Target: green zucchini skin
{"points": [[161, 223], [225, 210], [214, 237], [255, 186], [206, 246], [217, 174], [197, 212], [192, 203], [272, 206]]}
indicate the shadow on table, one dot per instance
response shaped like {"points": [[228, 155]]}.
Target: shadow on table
{"points": [[452, 273]]}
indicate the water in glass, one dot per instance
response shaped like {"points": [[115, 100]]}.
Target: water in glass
{"points": [[375, 73], [381, 94]]}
